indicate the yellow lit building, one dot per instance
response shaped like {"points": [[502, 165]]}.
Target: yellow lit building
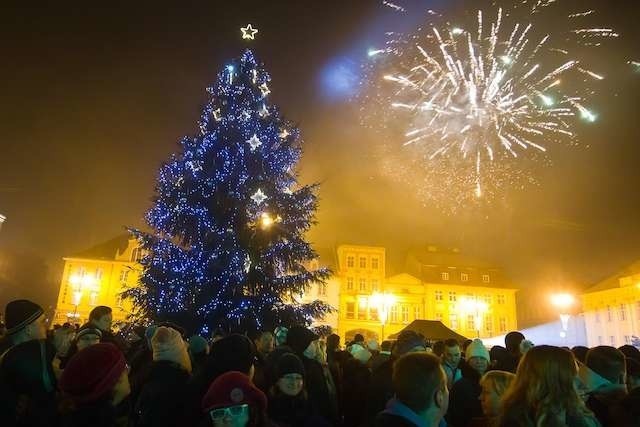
{"points": [[612, 309], [468, 296], [96, 277]]}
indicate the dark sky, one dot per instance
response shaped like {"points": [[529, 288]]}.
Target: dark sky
{"points": [[94, 95]]}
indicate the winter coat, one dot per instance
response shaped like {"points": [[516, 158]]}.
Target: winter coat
{"points": [[288, 411], [397, 414], [96, 414], [463, 400], [323, 400], [380, 390], [357, 379], [27, 385], [163, 397]]}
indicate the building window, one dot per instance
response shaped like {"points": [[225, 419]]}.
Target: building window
{"points": [[488, 323], [119, 300], [464, 277], [374, 285], [393, 314], [609, 315], [363, 262], [597, 316], [350, 310], [503, 325], [487, 299], [500, 298], [362, 285], [439, 317], [486, 278], [612, 340], [627, 339], [452, 297], [124, 276], [373, 313], [470, 323], [136, 254], [416, 312], [623, 312], [453, 320], [362, 312], [405, 314], [350, 261], [599, 340], [438, 295], [322, 289], [93, 298], [444, 275], [349, 283], [374, 263], [99, 273]]}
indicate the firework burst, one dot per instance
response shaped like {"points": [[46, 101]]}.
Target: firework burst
{"points": [[481, 98]]}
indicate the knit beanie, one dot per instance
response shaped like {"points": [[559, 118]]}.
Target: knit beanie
{"points": [[167, 344], [20, 313], [477, 349], [198, 345], [299, 338], [407, 341], [92, 373], [289, 363], [281, 335], [88, 329], [360, 353], [231, 389], [233, 353]]}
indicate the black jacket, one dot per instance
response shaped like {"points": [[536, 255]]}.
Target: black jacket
{"points": [[162, 397], [389, 420], [380, 390], [323, 403], [463, 400]]}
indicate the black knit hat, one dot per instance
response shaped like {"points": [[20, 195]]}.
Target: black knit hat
{"points": [[289, 363], [299, 338], [20, 313], [233, 353]]}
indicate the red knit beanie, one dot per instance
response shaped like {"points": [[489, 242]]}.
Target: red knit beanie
{"points": [[234, 388], [92, 373]]}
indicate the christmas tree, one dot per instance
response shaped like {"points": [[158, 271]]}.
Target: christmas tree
{"points": [[227, 248]]}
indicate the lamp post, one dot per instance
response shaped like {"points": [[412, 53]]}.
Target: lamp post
{"points": [[563, 302], [478, 308], [383, 303]]}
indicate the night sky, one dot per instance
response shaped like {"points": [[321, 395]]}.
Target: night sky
{"points": [[95, 95]]}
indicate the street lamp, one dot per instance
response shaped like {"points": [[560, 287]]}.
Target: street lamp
{"points": [[79, 283], [563, 302], [383, 303], [478, 308]]}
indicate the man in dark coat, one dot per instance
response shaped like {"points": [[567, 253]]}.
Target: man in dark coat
{"points": [[27, 380], [101, 317], [303, 342], [421, 392]]}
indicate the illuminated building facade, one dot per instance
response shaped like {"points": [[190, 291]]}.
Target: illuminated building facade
{"points": [[96, 277], [466, 295], [612, 309]]}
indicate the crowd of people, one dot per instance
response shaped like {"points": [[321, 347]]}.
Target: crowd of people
{"points": [[159, 376]]}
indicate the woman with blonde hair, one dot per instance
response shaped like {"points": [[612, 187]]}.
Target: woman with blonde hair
{"points": [[543, 393]]}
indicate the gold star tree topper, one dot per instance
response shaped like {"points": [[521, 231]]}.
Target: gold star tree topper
{"points": [[249, 32]]}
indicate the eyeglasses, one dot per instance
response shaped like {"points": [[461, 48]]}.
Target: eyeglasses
{"points": [[231, 411]]}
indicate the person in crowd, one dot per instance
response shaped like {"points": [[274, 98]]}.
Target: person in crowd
{"points": [[101, 317], [163, 395], [27, 377], [235, 352], [438, 348], [198, 352], [452, 361], [62, 340], [630, 352], [86, 336], [498, 355], [358, 339], [232, 400], [356, 383], [333, 349], [322, 393], [280, 336], [494, 384], [580, 353], [360, 353], [264, 344], [95, 382], [633, 374], [512, 343], [421, 394], [604, 376], [543, 392], [381, 389], [382, 356], [464, 404], [289, 405], [465, 344]]}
